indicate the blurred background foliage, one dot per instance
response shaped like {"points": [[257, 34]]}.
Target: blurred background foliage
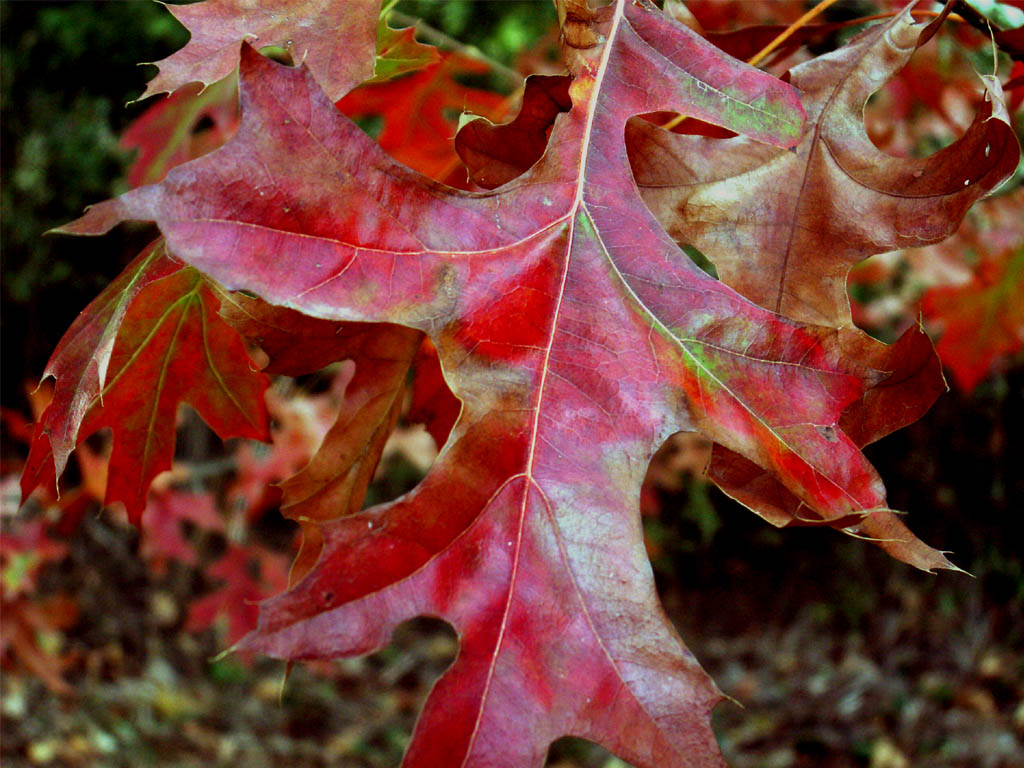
{"points": [[842, 656]]}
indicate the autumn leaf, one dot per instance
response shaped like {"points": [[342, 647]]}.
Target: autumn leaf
{"points": [[156, 341], [335, 39], [602, 320], [578, 337], [910, 376], [420, 113], [80, 362], [249, 574], [333, 483], [734, 197], [163, 538], [170, 132], [983, 320]]}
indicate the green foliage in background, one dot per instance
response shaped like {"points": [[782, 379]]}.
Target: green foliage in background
{"points": [[501, 30]]}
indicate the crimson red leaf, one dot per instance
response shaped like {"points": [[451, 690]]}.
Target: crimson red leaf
{"points": [[912, 377], [80, 361], [167, 133], [564, 325], [333, 484], [248, 574], [982, 320], [335, 39], [577, 336], [420, 113], [169, 346]]}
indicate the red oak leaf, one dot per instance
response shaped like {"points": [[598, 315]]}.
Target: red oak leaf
{"points": [[734, 197], [912, 378], [981, 321], [577, 336], [249, 574], [156, 343], [420, 113], [81, 359], [334, 481], [162, 535], [335, 39], [433, 403], [170, 132], [559, 324]]}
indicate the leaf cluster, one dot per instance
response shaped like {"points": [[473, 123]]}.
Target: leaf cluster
{"points": [[531, 282]]}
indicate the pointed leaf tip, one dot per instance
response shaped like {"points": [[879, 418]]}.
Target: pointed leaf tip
{"points": [[336, 39]]}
